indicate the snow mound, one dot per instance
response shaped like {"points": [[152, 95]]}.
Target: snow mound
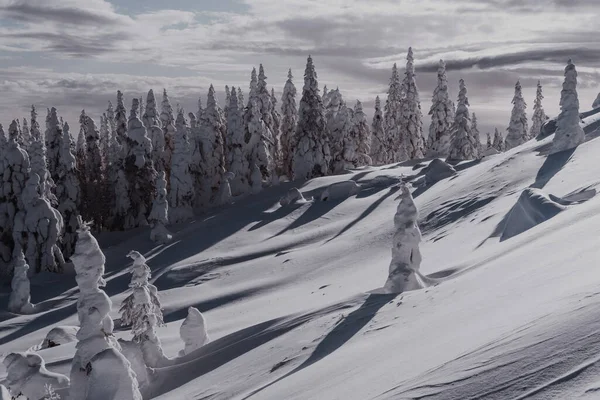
{"points": [[340, 191], [438, 170], [59, 335], [293, 196], [193, 331], [28, 376], [532, 208], [490, 152]]}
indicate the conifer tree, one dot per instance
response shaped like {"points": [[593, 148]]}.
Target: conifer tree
{"points": [[93, 179], [312, 154], [442, 116], [26, 134], [498, 140], [168, 125], [153, 125], [396, 146], [475, 137], [181, 194], [121, 124], [462, 146], [237, 160], [569, 134], [488, 144], [276, 118], [517, 129], [37, 154], [227, 100], [379, 138], [361, 133], [289, 113], [411, 117], [159, 215], [260, 143], [240, 98], [104, 140], [539, 115]]}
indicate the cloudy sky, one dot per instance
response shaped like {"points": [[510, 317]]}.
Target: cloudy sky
{"points": [[74, 54]]}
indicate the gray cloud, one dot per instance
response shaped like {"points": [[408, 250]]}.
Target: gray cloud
{"points": [[23, 11]]}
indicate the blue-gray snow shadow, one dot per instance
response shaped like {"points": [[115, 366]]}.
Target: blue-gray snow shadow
{"points": [[552, 165], [339, 335]]}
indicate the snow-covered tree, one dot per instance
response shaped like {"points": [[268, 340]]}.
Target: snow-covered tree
{"points": [[159, 216], [517, 129], [139, 170], [20, 296], [462, 146], [37, 229], [361, 133], [379, 139], [253, 85], [260, 143], [312, 154], [240, 98], [489, 144], [289, 112], [539, 115], [406, 257], [396, 146], [276, 117], [411, 117], [37, 154], [442, 116], [227, 101], [99, 370], [225, 196], [27, 376], [120, 216], [153, 125], [193, 331], [142, 310], [181, 193], [476, 137], [237, 160], [14, 167], [26, 133], [498, 140], [343, 143], [93, 183], [68, 193], [121, 123], [569, 134], [325, 96], [54, 135], [104, 140], [213, 130]]}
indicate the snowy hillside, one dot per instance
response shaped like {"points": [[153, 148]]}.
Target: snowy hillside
{"points": [[289, 292]]}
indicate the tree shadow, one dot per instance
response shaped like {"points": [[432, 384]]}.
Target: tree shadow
{"points": [[552, 165], [316, 210]]}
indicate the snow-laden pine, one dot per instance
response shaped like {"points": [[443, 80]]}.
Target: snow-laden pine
{"points": [[37, 229], [462, 146], [212, 130], [488, 143], [153, 125], [498, 140], [20, 295], [289, 119], [104, 140], [26, 134], [93, 188], [167, 118], [227, 101], [159, 215], [139, 169], [312, 154], [181, 193], [260, 143], [539, 115], [54, 136], [121, 216], [406, 257], [396, 145], [476, 137], [240, 98], [276, 117], [411, 117], [37, 156], [121, 124], [518, 133], [442, 116], [339, 125], [142, 311], [68, 193], [237, 160], [193, 331], [361, 135], [99, 370], [379, 146], [569, 134]]}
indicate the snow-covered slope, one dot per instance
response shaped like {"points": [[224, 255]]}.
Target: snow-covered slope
{"points": [[512, 310]]}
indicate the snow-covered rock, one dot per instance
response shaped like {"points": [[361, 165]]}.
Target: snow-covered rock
{"points": [[293, 196], [27, 376], [340, 190], [193, 331], [59, 335], [438, 170]]}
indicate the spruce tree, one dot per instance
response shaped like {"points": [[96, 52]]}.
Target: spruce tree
{"points": [[476, 138], [488, 144], [37, 154], [539, 115], [498, 140], [289, 112], [362, 133], [167, 119], [153, 125], [569, 134], [276, 117], [378, 143], [411, 117], [396, 147], [442, 116], [462, 146], [237, 149], [311, 155], [517, 129], [181, 194], [121, 123]]}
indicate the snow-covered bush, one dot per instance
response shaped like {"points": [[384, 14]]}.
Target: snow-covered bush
{"points": [[569, 134], [312, 155], [379, 139], [181, 193], [237, 160], [289, 112], [406, 257], [517, 129], [159, 216], [193, 331], [142, 310], [462, 146], [20, 298], [442, 116], [28, 377], [99, 370]]}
